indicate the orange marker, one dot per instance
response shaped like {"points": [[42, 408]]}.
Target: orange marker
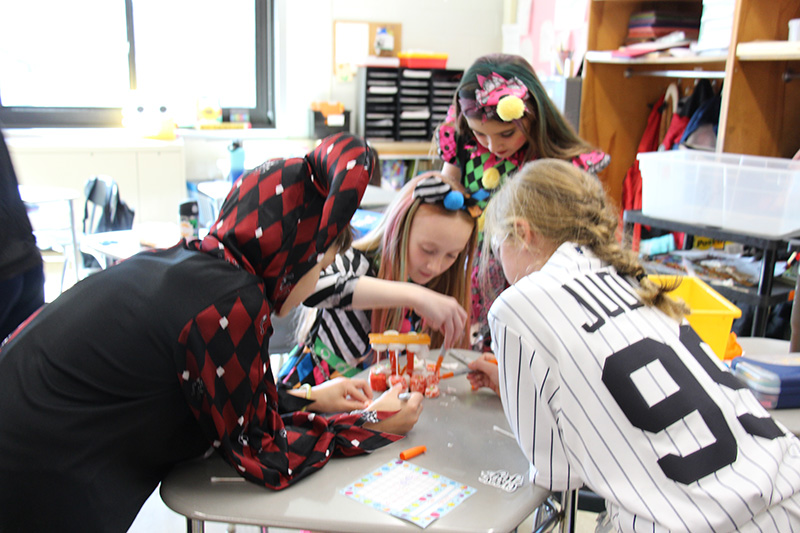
{"points": [[405, 455], [492, 360]]}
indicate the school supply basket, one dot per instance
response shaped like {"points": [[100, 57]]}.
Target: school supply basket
{"points": [[751, 194], [712, 314]]}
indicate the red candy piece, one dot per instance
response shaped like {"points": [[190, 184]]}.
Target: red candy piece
{"points": [[395, 379], [377, 381], [418, 383]]}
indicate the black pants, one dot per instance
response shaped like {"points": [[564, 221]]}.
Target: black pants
{"points": [[20, 296]]}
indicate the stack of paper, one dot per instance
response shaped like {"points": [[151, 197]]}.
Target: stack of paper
{"points": [[716, 26]]}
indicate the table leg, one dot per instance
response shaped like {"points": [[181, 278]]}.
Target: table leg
{"points": [[627, 235], [794, 340], [76, 250], [195, 526], [761, 313], [569, 506]]}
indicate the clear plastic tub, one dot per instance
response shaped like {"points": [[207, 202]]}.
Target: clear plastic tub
{"points": [[751, 194], [774, 380]]}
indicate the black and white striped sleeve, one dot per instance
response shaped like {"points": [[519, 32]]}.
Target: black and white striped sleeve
{"points": [[337, 283]]}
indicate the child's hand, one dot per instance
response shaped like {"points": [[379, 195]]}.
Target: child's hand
{"points": [[442, 313], [407, 411], [340, 395], [484, 373]]}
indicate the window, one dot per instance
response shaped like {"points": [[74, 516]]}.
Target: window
{"points": [[77, 65]]}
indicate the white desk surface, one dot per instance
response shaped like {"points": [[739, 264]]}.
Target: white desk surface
{"points": [[789, 418], [457, 430], [377, 197], [118, 245]]}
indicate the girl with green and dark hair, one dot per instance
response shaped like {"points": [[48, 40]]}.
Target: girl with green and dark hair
{"points": [[501, 118]]}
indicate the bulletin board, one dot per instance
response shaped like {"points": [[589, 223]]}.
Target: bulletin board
{"points": [[354, 43]]}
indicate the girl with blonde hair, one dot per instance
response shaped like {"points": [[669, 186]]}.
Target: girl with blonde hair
{"points": [[604, 385]]}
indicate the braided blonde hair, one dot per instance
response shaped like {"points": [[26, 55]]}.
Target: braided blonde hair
{"points": [[565, 204]]}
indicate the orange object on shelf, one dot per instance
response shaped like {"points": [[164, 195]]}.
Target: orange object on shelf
{"points": [[328, 108], [422, 60], [733, 349]]}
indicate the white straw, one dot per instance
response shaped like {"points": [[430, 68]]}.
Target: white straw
{"points": [[503, 431]]}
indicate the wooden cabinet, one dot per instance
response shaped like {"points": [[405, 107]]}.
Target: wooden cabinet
{"points": [[760, 109], [403, 104]]}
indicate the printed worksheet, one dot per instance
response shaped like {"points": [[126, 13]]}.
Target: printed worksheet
{"points": [[408, 491]]}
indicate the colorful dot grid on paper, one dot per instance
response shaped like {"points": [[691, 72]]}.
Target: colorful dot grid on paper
{"points": [[408, 491]]}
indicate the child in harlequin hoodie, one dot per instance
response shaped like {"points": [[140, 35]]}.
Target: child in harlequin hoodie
{"points": [[164, 355], [501, 117]]}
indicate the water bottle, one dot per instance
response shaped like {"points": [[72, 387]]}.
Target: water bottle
{"points": [[237, 160], [188, 214]]}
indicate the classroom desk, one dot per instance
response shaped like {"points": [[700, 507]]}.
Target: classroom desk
{"points": [[789, 418], [119, 245], [457, 430]]}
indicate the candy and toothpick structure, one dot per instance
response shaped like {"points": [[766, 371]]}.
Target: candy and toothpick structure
{"points": [[394, 343]]}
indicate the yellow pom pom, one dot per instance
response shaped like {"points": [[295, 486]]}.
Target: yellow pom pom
{"points": [[491, 178], [510, 108]]}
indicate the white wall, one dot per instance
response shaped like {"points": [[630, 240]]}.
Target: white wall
{"points": [[463, 29]]}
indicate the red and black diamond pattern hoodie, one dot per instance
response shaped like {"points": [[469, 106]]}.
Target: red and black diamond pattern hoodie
{"points": [[153, 360], [274, 224]]}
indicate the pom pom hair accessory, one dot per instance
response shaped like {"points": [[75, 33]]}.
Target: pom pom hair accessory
{"points": [[434, 190], [497, 97]]}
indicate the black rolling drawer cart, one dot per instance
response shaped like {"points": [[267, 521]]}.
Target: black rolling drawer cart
{"points": [[403, 104]]}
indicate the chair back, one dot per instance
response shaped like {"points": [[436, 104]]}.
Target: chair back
{"points": [[104, 210]]}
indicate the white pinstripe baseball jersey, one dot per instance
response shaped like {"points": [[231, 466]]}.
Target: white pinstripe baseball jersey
{"points": [[603, 391]]}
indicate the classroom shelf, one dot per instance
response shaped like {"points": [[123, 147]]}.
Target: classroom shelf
{"points": [[767, 293], [768, 51], [759, 110], [403, 104]]}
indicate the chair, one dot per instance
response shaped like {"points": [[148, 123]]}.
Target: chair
{"points": [[103, 211], [559, 511], [98, 197]]}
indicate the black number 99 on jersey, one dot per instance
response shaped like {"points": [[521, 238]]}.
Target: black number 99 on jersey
{"points": [[689, 397]]}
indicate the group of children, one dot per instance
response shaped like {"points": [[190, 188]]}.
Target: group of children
{"points": [[601, 382]]}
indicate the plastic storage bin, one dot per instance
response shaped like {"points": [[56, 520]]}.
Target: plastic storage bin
{"points": [[712, 314], [751, 194]]}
